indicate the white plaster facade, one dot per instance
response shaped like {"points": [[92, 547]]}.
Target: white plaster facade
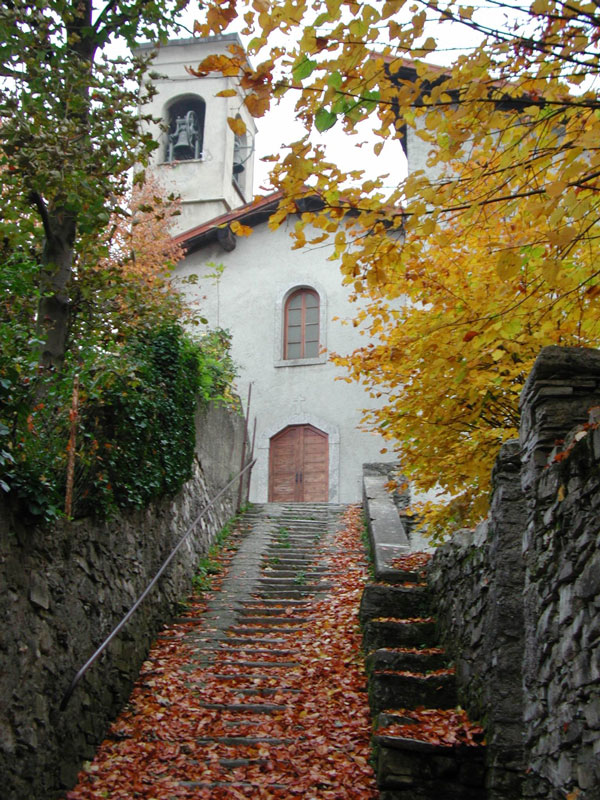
{"points": [[248, 299]]}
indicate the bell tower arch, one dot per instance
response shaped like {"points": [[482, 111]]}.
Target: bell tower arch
{"points": [[184, 128], [199, 157]]}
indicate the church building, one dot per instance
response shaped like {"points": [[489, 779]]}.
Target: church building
{"points": [[284, 307]]}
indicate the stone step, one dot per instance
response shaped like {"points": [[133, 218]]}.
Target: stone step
{"points": [[392, 600], [241, 676], [408, 769], [204, 663], [256, 644], [245, 708], [225, 659], [275, 603], [251, 630], [282, 561], [271, 619], [226, 741], [308, 539], [290, 583], [303, 547], [397, 632], [270, 579], [273, 551], [301, 591], [405, 690], [268, 664], [286, 554], [391, 575], [278, 571], [229, 785], [243, 741], [279, 554], [257, 611], [235, 763], [243, 642], [405, 659], [267, 691]]}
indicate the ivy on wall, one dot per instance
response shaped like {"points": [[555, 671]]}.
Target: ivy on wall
{"points": [[134, 424]]}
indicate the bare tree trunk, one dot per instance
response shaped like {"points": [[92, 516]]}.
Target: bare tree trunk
{"points": [[57, 266], [60, 224]]}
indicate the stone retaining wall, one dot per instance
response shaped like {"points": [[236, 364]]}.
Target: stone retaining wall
{"points": [[477, 580], [62, 590], [519, 598], [561, 548]]}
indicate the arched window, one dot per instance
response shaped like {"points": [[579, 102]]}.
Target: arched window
{"points": [[301, 325], [185, 136]]}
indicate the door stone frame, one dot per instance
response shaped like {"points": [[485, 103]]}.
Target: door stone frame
{"points": [[323, 485], [260, 474]]}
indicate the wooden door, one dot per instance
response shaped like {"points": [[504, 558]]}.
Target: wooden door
{"points": [[299, 465]]}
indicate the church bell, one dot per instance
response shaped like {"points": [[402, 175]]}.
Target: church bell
{"points": [[182, 148], [184, 142]]}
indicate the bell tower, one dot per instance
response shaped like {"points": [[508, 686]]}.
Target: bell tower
{"points": [[199, 157]]}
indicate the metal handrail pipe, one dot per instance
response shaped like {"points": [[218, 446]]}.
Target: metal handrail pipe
{"points": [[147, 590]]}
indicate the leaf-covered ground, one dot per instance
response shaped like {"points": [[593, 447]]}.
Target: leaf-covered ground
{"points": [[313, 744]]}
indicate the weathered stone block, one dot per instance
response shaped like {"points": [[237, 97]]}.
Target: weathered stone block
{"points": [[588, 585], [390, 600], [398, 633], [39, 593], [395, 690], [397, 659], [413, 769]]}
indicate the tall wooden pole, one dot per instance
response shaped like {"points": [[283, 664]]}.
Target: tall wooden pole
{"points": [[73, 415], [241, 486]]}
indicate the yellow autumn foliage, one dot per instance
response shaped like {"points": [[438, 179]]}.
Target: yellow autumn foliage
{"points": [[471, 265]]}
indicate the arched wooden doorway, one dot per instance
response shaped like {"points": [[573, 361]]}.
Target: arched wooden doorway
{"points": [[299, 465]]}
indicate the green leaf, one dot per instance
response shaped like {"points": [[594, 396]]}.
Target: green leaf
{"points": [[303, 69], [324, 120], [335, 80]]}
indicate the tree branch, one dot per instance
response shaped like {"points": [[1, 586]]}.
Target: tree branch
{"points": [[40, 204]]}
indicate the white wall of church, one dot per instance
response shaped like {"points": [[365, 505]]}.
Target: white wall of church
{"points": [[248, 300], [418, 152]]}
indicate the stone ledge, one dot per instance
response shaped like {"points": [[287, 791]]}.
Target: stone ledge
{"points": [[387, 533]]}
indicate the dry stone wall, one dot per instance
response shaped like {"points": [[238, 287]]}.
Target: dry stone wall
{"points": [[561, 547], [478, 581], [63, 589], [519, 598]]}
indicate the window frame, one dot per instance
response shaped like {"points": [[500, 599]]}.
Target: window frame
{"points": [[285, 294], [303, 293]]}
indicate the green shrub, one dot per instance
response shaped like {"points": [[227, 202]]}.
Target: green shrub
{"points": [[135, 428]]}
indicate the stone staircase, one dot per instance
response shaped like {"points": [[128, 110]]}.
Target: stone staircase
{"points": [[408, 671], [264, 599], [244, 695]]}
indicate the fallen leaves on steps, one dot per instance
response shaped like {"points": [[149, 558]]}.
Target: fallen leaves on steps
{"points": [[213, 719], [448, 727]]}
